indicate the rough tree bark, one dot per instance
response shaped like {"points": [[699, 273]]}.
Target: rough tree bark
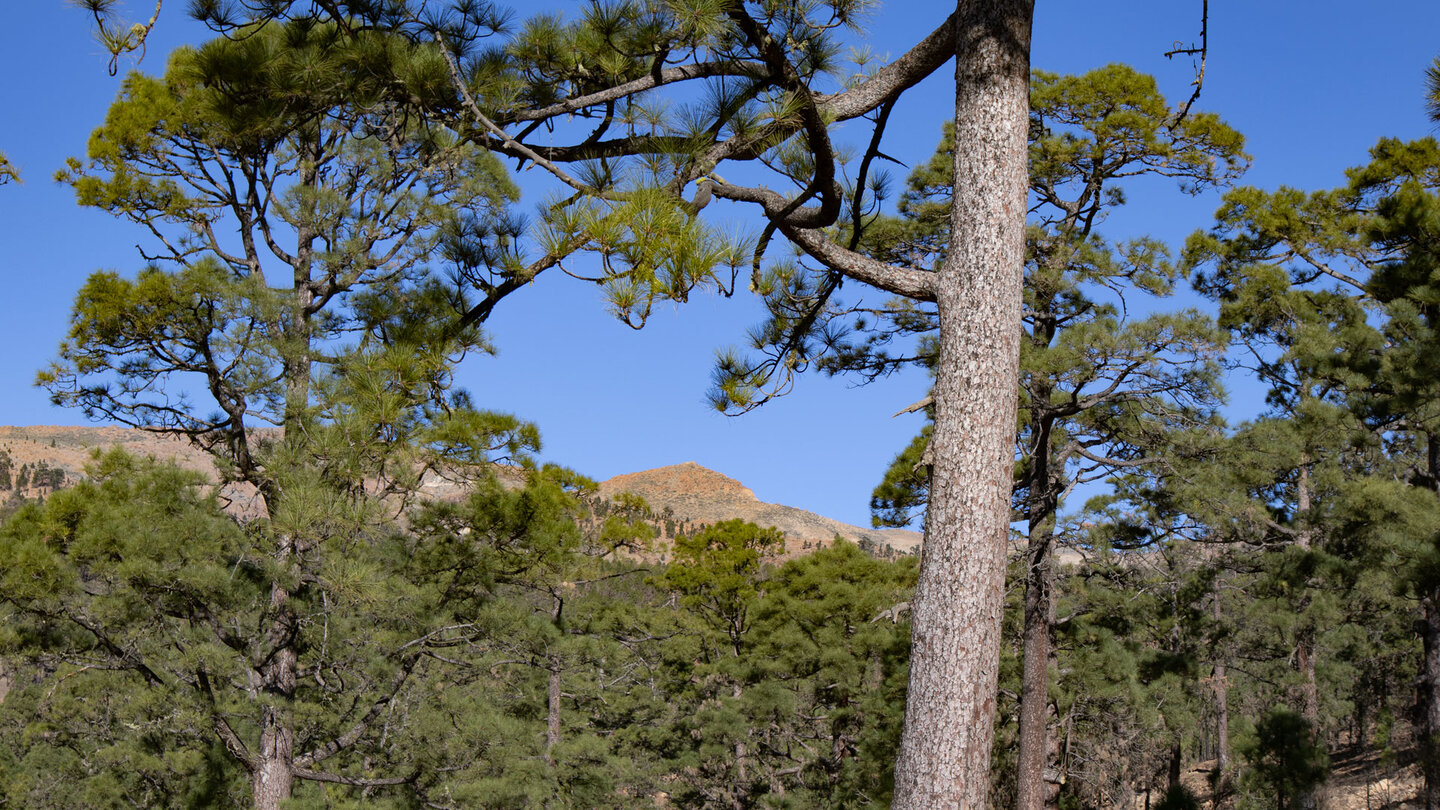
{"points": [[944, 759], [274, 775]]}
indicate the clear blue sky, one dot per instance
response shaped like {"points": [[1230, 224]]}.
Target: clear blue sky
{"points": [[1311, 85]]}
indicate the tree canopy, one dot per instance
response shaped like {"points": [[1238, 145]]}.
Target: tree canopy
{"points": [[331, 226]]}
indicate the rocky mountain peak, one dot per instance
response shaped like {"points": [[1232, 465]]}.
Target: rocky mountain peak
{"points": [[689, 495], [677, 484]]}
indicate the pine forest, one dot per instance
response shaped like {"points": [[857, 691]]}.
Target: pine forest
{"points": [[1131, 594]]}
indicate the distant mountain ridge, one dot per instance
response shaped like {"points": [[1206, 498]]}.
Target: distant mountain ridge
{"points": [[693, 494], [682, 496], [68, 450]]}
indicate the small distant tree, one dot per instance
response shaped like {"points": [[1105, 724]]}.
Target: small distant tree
{"points": [[717, 571], [1287, 760], [832, 655], [788, 682], [717, 574]]}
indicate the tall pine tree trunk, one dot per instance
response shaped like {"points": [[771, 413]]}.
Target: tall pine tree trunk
{"points": [[552, 690], [273, 777], [1429, 627], [944, 758], [742, 773], [1033, 792], [275, 681], [552, 712], [276, 675], [1222, 718], [1311, 798], [1173, 767], [1430, 698]]}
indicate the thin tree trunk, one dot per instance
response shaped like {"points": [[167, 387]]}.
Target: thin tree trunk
{"points": [[742, 771], [1430, 699], [274, 774], [1429, 627], [1305, 638], [1172, 776], [1309, 688], [1054, 772], [1036, 740], [1310, 799], [552, 689], [1033, 792], [944, 758], [552, 707], [1222, 719]]}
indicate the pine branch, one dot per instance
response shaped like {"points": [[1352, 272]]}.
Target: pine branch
{"points": [[914, 284]]}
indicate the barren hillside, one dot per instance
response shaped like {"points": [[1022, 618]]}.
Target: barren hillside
{"points": [[689, 494]]}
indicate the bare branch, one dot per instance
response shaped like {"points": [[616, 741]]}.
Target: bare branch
{"points": [[1202, 51], [340, 779], [916, 284], [918, 406]]}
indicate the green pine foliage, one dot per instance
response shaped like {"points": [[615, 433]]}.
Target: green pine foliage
{"points": [[527, 644], [317, 307], [1090, 134], [1285, 759], [795, 675], [113, 618]]}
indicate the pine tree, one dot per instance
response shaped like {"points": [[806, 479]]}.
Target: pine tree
{"points": [[1097, 393], [787, 683], [717, 574], [831, 669], [1316, 270], [1286, 758], [296, 205], [1401, 182], [760, 67]]}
